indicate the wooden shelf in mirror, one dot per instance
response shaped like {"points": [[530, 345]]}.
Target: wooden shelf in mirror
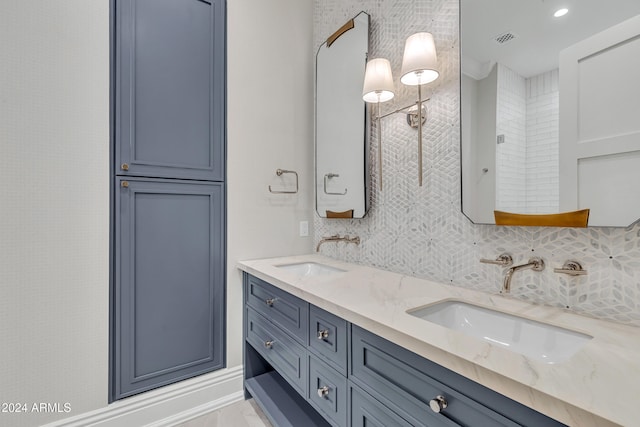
{"points": [[564, 219], [345, 214]]}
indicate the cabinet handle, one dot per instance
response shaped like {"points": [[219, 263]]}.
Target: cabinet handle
{"points": [[323, 334], [124, 166], [270, 301], [438, 403], [125, 184], [268, 344], [323, 392]]}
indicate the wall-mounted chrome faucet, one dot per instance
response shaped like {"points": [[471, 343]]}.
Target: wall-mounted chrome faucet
{"points": [[506, 260], [337, 238], [570, 267], [535, 264]]}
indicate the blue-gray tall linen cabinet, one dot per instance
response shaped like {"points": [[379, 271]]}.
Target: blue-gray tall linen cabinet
{"points": [[168, 198]]}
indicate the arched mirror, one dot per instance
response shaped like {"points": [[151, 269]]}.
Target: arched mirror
{"points": [[550, 108], [341, 130]]}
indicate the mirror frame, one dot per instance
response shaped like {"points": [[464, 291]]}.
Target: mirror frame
{"points": [[363, 197]]}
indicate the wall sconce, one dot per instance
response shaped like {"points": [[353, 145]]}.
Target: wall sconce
{"points": [[378, 88], [419, 66]]}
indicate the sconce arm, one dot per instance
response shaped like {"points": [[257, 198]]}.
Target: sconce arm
{"points": [[402, 110]]}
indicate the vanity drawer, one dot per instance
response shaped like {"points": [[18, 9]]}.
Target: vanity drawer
{"points": [[407, 383], [368, 412], [285, 355], [328, 391], [285, 310], [328, 338]]}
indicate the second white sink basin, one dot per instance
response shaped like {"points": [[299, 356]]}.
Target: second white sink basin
{"points": [[310, 269], [537, 340]]}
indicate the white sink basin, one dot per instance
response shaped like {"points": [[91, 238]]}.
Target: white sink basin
{"points": [[536, 340], [310, 269]]}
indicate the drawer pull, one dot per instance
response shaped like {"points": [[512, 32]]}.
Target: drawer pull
{"points": [[268, 344], [323, 392], [438, 403], [270, 301], [323, 334]]}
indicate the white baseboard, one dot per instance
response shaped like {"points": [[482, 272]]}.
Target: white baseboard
{"points": [[198, 411], [168, 405]]}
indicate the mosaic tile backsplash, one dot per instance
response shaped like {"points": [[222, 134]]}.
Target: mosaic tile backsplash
{"points": [[421, 231]]}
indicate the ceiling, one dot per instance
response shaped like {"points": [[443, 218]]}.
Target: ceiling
{"points": [[539, 37]]}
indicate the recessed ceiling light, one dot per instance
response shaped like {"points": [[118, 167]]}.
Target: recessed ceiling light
{"points": [[561, 12]]}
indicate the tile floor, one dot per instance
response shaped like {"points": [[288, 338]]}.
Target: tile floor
{"points": [[240, 414]]}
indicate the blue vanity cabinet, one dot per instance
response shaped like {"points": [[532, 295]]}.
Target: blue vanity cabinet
{"points": [[353, 377], [170, 88]]}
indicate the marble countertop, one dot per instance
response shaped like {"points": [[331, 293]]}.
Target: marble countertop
{"points": [[597, 386]]}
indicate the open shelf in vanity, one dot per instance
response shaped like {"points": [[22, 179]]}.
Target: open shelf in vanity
{"points": [[282, 405]]}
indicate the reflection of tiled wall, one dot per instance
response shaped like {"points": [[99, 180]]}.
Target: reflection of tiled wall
{"points": [[420, 231], [511, 155], [527, 173], [543, 174]]}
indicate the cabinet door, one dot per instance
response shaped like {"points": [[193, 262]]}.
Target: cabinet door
{"points": [[169, 290], [368, 412], [328, 338], [327, 391], [170, 95]]}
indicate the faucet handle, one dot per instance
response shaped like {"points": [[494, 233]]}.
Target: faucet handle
{"points": [[504, 260], [572, 268], [538, 263]]}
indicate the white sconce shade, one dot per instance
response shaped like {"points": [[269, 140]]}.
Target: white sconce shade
{"points": [[420, 62], [378, 81]]}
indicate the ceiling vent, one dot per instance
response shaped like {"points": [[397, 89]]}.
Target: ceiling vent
{"points": [[504, 37]]}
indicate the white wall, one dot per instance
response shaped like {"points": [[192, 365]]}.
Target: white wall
{"points": [[54, 208], [54, 184], [270, 126]]}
